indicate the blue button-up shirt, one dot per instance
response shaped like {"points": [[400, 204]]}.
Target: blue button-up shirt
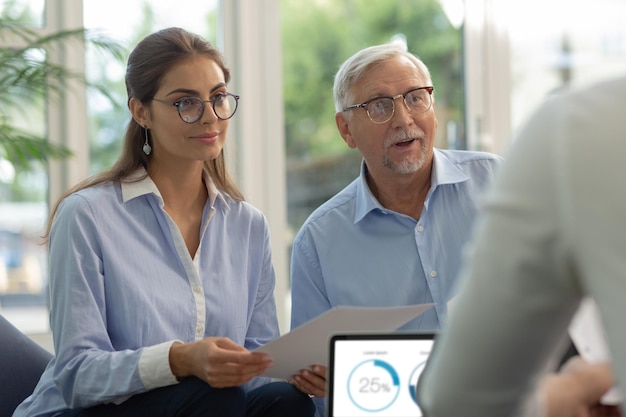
{"points": [[353, 251], [124, 287]]}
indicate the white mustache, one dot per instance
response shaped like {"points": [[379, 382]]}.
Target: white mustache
{"points": [[403, 136]]}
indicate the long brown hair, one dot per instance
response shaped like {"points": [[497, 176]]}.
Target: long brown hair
{"points": [[149, 61]]}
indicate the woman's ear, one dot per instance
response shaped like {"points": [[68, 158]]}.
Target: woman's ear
{"points": [[140, 113]]}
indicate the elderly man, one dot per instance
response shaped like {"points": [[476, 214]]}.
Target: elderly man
{"points": [[394, 236]]}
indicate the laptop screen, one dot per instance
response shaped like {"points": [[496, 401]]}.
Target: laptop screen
{"points": [[373, 375]]}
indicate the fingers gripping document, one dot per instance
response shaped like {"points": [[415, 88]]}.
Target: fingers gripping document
{"points": [[308, 344], [587, 333]]}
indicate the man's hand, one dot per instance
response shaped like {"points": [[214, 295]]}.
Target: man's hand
{"points": [[575, 391], [311, 381]]}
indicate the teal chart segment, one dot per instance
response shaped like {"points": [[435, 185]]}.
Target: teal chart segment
{"points": [[413, 380]]}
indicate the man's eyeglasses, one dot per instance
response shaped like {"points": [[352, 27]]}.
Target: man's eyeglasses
{"points": [[381, 109], [191, 109]]}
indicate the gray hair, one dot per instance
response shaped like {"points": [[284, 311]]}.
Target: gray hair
{"points": [[355, 67]]}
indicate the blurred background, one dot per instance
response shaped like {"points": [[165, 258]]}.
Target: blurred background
{"points": [[492, 62]]}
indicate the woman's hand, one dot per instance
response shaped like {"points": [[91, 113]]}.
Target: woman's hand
{"points": [[311, 381], [218, 361]]}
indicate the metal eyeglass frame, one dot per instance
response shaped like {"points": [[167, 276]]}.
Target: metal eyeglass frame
{"points": [[364, 105]]}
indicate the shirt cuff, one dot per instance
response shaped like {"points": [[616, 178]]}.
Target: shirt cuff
{"points": [[534, 405], [154, 366]]}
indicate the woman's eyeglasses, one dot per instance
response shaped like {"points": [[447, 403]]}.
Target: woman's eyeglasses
{"points": [[191, 109]]}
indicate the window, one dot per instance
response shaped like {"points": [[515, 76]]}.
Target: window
{"points": [[23, 183], [318, 162], [489, 72], [107, 122], [289, 124], [518, 53], [572, 44], [24, 196]]}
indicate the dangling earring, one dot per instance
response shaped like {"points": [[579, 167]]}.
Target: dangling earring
{"points": [[146, 146]]}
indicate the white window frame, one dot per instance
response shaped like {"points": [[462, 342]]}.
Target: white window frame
{"points": [[487, 67], [67, 114], [250, 39]]}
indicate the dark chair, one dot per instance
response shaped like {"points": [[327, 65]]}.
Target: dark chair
{"points": [[22, 361]]}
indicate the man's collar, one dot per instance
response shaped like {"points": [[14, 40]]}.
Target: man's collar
{"points": [[365, 200], [443, 172]]}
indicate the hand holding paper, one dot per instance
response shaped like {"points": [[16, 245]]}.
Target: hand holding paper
{"points": [[587, 333]]}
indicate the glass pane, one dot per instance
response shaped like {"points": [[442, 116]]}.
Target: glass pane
{"points": [[23, 194], [107, 122], [319, 163], [566, 47], [28, 12]]}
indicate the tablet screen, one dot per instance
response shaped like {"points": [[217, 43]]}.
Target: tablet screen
{"points": [[376, 374]]}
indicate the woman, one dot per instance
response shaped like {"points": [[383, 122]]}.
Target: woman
{"points": [[160, 274]]}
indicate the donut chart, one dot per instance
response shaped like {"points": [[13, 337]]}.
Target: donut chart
{"points": [[373, 385]]}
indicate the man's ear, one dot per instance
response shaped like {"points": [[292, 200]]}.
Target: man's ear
{"points": [[344, 129], [140, 113]]}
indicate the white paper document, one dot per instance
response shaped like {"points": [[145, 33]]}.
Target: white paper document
{"points": [[588, 335], [308, 344]]}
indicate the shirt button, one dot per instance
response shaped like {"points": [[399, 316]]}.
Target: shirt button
{"points": [[420, 228], [433, 273], [199, 330], [196, 289]]}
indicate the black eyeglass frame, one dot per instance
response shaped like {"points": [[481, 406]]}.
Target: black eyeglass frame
{"points": [[212, 101], [364, 105]]}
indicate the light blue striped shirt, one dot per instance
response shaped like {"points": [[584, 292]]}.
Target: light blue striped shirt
{"points": [[353, 251], [124, 287]]}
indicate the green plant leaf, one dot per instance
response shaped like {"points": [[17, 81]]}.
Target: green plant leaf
{"points": [[27, 77], [22, 148]]}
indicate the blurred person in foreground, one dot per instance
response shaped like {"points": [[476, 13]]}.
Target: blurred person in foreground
{"points": [[161, 278], [394, 236], [553, 232]]}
